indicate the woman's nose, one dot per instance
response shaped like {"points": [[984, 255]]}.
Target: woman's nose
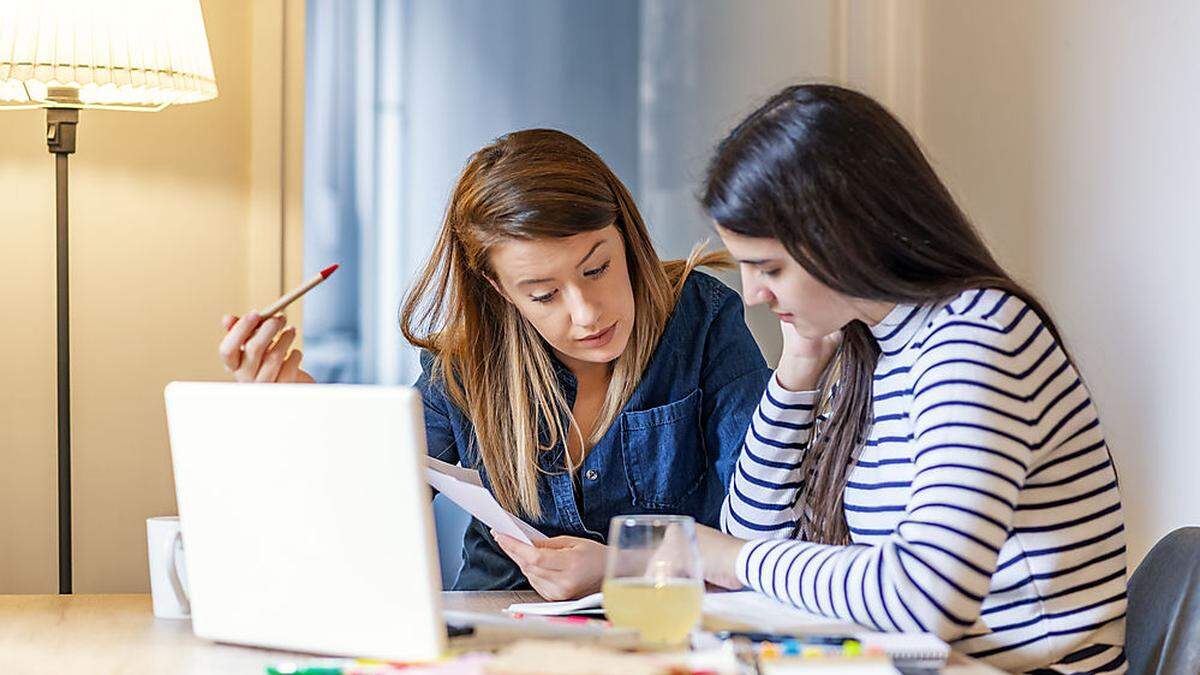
{"points": [[754, 292], [585, 311]]}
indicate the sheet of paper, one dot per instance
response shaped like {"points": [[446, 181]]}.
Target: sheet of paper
{"points": [[587, 603], [734, 610], [479, 502], [453, 470], [750, 610]]}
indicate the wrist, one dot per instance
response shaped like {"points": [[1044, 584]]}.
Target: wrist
{"points": [[797, 377]]}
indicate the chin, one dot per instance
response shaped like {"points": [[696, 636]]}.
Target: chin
{"points": [[809, 332]]}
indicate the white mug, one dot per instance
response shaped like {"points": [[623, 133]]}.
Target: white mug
{"points": [[168, 574]]}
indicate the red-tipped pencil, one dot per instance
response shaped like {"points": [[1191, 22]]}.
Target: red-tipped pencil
{"points": [[297, 293]]}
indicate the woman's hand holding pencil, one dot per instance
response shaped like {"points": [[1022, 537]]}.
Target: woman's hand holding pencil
{"points": [[257, 350], [254, 350]]}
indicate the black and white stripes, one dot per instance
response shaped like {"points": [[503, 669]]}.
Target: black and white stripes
{"points": [[983, 506]]}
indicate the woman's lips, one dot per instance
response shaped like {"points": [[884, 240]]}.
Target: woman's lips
{"points": [[600, 339]]}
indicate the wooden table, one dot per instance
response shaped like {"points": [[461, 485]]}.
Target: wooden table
{"points": [[100, 634]]}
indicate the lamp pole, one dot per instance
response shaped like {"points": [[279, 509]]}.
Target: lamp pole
{"points": [[106, 54], [60, 139]]}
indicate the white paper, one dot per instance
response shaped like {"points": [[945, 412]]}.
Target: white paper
{"points": [[584, 604], [752, 609], [748, 608], [454, 471], [463, 487], [761, 613]]}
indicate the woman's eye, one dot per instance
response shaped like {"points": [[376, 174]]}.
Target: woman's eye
{"points": [[543, 298], [770, 273], [598, 271]]}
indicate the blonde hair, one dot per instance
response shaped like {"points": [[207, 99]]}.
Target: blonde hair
{"points": [[492, 362]]}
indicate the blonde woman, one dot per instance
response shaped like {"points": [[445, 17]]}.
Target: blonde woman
{"points": [[582, 376]]}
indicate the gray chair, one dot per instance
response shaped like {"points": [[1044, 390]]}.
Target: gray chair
{"points": [[1162, 633]]}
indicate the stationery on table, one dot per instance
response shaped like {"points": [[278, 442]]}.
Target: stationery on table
{"points": [[785, 633], [852, 665], [782, 630], [572, 620], [752, 611], [540, 657], [589, 604], [468, 664], [526, 657], [463, 487], [912, 650]]}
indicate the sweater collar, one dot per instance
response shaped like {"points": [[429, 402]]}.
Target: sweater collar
{"points": [[898, 328]]}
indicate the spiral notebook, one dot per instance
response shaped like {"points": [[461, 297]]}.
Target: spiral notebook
{"points": [[912, 650], [749, 610]]}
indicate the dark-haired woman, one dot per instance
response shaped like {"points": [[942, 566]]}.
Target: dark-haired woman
{"points": [[927, 457]]}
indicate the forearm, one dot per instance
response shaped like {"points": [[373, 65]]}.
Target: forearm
{"points": [[768, 477]]}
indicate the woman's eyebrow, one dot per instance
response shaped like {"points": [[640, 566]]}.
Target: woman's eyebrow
{"points": [[589, 253], [526, 282]]}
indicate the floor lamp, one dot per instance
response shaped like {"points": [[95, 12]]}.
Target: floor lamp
{"points": [[69, 55]]}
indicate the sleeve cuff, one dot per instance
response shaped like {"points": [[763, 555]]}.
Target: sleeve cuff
{"points": [[788, 397], [743, 561]]}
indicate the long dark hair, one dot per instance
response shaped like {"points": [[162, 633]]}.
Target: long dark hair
{"points": [[840, 182]]}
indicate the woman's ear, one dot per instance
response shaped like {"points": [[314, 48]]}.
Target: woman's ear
{"points": [[495, 285]]}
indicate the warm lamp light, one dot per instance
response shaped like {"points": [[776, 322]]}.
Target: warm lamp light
{"points": [[67, 55], [143, 54]]}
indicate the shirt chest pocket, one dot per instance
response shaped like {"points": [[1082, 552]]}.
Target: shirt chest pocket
{"points": [[665, 457]]}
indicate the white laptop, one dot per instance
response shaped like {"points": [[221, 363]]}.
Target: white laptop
{"points": [[306, 517]]}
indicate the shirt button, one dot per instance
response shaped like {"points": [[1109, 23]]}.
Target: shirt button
{"points": [[591, 474]]}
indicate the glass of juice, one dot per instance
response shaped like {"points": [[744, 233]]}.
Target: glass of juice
{"points": [[653, 581]]}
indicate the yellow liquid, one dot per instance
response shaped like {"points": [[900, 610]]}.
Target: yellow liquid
{"points": [[664, 612]]}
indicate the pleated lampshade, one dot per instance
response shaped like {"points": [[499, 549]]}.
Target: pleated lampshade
{"points": [[104, 53]]}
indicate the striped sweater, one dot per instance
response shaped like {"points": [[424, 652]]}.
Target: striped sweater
{"points": [[983, 506]]}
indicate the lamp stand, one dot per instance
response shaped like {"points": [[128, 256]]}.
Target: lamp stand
{"points": [[60, 139]]}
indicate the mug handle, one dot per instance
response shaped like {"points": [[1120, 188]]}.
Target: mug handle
{"points": [[175, 555]]}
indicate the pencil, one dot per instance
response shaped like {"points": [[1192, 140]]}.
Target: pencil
{"points": [[297, 293]]}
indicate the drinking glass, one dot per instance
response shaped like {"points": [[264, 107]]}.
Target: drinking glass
{"points": [[653, 581]]}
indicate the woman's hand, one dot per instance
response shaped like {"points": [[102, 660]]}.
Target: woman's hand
{"points": [[558, 568], [251, 351], [719, 554], [804, 359]]}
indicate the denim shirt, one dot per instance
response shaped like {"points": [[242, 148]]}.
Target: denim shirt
{"points": [[672, 448]]}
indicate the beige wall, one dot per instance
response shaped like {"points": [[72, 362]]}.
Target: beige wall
{"points": [[27, 418], [1068, 130], [176, 218]]}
